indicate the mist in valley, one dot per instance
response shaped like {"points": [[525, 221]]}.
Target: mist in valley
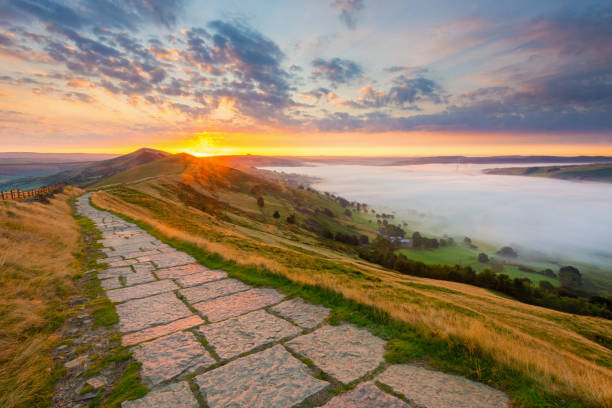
{"points": [[565, 220]]}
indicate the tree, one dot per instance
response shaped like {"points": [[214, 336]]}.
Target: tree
{"points": [[348, 212], [260, 201], [276, 214], [483, 258], [570, 277], [508, 252], [291, 219]]}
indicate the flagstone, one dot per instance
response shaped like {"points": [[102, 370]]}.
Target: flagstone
{"points": [[272, 378], [238, 303], [170, 357], [235, 336], [434, 389], [140, 291], [180, 271], [177, 395], [212, 290], [161, 330], [366, 395], [150, 311], [345, 352], [201, 277], [301, 313]]}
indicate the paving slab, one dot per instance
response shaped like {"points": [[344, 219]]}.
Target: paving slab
{"points": [[169, 357], [201, 277], [126, 262], [177, 395], [166, 260], [238, 303], [213, 290], [162, 330], [272, 378], [235, 336], [345, 352], [366, 395], [180, 271], [140, 291], [114, 272], [138, 254], [303, 314], [143, 267], [151, 311], [434, 389], [137, 278]]}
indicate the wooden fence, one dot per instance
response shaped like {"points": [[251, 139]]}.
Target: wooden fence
{"points": [[29, 194]]}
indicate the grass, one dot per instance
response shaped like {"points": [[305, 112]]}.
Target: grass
{"points": [[461, 255], [37, 269], [535, 354]]}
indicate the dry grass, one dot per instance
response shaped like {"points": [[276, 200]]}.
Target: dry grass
{"points": [[36, 267], [545, 345]]}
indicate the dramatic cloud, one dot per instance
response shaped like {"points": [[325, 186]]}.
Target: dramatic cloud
{"points": [[336, 70], [348, 11], [82, 13], [551, 73]]}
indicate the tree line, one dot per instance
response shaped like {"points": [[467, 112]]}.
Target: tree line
{"points": [[382, 252]]}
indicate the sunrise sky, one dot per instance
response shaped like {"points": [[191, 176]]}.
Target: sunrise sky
{"points": [[328, 77]]}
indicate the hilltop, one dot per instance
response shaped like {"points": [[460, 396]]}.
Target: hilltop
{"points": [[86, 174]]}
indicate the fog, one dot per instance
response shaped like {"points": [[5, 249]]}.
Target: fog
{"points": [[568, 220]]}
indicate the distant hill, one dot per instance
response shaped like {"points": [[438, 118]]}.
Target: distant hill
{"points": [[89, 174], [56, 157], [581, 172], [503, 159]]}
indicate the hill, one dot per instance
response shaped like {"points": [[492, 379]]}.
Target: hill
{"points": [[580, 172], [90, 173], [226, 219]]}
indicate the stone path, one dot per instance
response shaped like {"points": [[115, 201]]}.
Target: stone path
{"points": [[206, 340]]}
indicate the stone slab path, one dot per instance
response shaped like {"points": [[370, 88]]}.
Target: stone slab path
{"points": [[207, 340]]}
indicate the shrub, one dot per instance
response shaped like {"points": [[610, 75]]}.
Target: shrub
{"points": [[276, 214], [483, 258]]}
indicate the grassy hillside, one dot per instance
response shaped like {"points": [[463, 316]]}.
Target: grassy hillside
{"points": [[539, 356], [585, 172], [37, 267]]}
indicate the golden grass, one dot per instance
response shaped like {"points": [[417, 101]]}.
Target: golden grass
{"points": [[36, 267], [545, 345]]}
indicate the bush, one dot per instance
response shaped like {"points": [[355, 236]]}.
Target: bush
{"points": [[291, 219], [483, 258], [276, 214], [260, 201]]}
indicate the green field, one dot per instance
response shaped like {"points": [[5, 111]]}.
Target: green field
{"points": [[462, 255]]}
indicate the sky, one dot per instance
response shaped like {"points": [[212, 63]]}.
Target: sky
{"points": [[321, 77]]}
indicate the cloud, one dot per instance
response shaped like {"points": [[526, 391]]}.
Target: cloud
{"points": [[336, 70], [88, 13], [348, 11]]}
